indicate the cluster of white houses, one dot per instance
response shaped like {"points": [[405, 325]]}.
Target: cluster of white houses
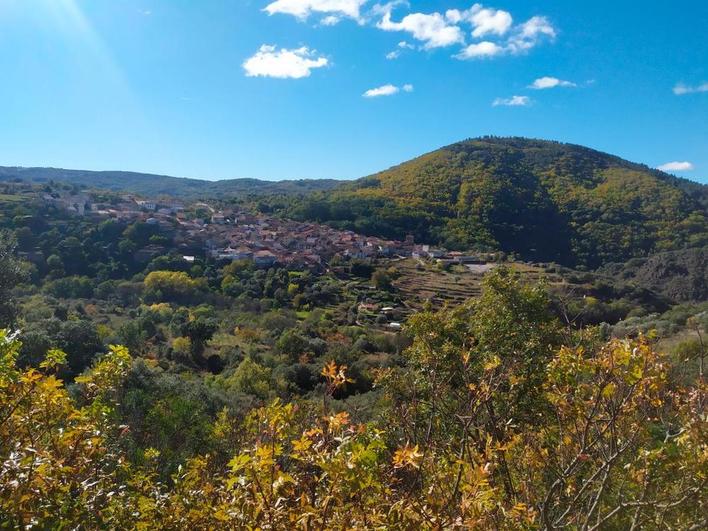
{"points": [[266, 241], [129, 207], [237, 235]]}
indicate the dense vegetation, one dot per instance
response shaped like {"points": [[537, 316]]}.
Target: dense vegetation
{"points": [[499, 418], [680, 275], [142, 388], [544, 200]]}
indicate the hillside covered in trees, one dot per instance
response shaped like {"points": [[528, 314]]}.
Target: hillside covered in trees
{"points": [[544, 200], [156, 372], [150, 184]]}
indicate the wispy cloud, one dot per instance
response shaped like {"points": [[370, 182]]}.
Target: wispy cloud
{"points": [[395, 54], [297, 63], [330, 20], [676, 166], [332, 10], [514, 101], [530, 33], [680, 89], [548, 82], [387, 90]]}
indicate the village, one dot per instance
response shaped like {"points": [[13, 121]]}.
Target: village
{"points": [[198, 229]]}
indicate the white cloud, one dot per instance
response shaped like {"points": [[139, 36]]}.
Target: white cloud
{"points": [[681, 89], [497, 23], [330, 20], [530, 33], [455, 15], [302, 9], [490, 21], [536, 26], [548, 82], [480, 50], [395, 54], [431, 29], [676, 166], [480, 31], [387, 90], [271, 62], [485, 21], [514, 101]]}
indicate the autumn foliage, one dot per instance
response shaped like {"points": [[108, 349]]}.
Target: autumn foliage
{"points": [[500, 419]]}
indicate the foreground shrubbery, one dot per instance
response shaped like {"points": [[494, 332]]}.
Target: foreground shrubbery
{"points": [[499, 419]]}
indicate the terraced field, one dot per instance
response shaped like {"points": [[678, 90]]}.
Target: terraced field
{"points": [[421, 281]]}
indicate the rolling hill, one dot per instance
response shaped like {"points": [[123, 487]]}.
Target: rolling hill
{"points": [[543, 200], [154, 185]]}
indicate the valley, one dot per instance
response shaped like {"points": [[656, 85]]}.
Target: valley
{"points": [[345, 301]]}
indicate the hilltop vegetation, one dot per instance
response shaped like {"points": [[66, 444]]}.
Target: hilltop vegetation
{"points": [[544, 200], [154, 185]]}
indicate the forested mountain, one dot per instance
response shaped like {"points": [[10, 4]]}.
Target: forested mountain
{"points": [[544, 200], [152, 185]]}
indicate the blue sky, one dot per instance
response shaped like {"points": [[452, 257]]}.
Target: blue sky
{"points": [[282, 89]]}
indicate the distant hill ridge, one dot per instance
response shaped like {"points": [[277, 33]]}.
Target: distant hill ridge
{"points": [[541, 199], [153, 185]]}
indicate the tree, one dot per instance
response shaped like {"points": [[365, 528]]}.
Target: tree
{"points": [[56, 461], [81, 342], [182, 346], [382, 280], [11, 273], [55, 265], [172, 286], [293, 345], [140, 232], [250, 378], [25, 238]]}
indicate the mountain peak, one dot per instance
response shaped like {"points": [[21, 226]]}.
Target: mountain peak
{"points": [[543, 199]]}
